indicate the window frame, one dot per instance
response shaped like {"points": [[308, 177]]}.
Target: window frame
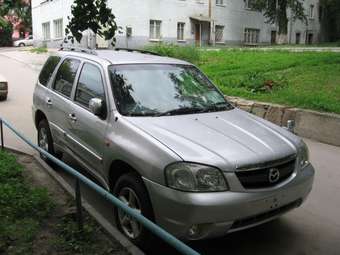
{"points": [[43, 24], [251, 31], [311, 11], [74, 81], [222, 38], [84, 62], [55, 23], [153, 22], [181, 28], [220, 3]]}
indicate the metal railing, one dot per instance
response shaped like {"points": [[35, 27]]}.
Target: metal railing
{"points": [[155, 229]]}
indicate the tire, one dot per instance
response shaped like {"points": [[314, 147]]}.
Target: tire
{"points": [[131, 182], [21, 45], [45, 140]]}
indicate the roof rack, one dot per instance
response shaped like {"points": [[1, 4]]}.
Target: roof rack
{"points": [[137, 50], [78, 49]]}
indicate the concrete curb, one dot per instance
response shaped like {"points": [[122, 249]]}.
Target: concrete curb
{"points": [[322, 127], [114, 232]]}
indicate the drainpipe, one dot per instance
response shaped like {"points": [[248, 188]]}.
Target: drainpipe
{"points": [[212, 40], [290, 27]]}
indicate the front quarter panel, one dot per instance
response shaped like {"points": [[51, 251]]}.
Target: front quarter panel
{"points": [[145, 154]]}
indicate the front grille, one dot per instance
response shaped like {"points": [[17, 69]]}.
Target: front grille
{"points": [[264, 216], [259, 178]]}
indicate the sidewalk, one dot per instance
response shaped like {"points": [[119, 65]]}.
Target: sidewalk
{"points": [[32, 60]]}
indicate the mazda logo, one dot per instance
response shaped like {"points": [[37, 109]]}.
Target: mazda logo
{"points": [[274, 175]]}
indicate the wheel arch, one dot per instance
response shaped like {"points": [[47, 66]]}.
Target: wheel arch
{"points": [[39, 116], [119, 168]]}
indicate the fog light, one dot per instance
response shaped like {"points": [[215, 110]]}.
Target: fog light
{"points": [[194, 231]]}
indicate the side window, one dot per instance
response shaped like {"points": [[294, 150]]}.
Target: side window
{"points": [[65, 76], [90, 85], [48, 69]]}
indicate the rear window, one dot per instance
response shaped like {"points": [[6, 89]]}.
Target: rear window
{"points": [[48, 69], [65, 77]]}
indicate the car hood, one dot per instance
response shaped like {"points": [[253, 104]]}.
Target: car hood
{"points": [[228, 140]]}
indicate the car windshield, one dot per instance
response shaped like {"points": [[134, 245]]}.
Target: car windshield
{"points": [[163, 90]]}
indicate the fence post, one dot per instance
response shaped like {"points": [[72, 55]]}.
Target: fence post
{"points": [[2, 135], [79, 207]]}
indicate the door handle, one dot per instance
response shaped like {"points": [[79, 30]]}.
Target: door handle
{"points": [[72, 117], [49, 102]]}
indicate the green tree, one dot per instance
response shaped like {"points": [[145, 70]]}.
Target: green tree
{"points": [[94, 15], [17, 9], [6, 31], [330, 20], [276, 12]]}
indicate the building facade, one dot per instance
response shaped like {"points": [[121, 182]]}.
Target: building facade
{"points": [[198, 22]]}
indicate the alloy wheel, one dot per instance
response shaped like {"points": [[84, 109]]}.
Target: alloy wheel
{"points": [[131, 227]]}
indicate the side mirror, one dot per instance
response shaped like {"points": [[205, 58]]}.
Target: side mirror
{"points": [[96, 106]]}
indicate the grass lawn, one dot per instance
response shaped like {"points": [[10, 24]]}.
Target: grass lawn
{"points": [[307, 80], [22, 208], [34, 220]]}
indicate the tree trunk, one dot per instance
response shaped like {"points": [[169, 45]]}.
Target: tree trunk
{"points": [[282, 37]]}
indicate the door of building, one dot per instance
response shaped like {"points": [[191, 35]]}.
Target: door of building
{"points": [[273, 37], [198, 34], [297, 38]]}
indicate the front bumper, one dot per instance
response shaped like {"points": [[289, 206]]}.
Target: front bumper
{"points": [[193, 216]]}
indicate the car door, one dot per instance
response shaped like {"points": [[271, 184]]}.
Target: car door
{"points": [[59, 102], [88, 130]]}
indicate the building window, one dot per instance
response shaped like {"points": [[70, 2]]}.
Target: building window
{"points": [[58, 28], [249, 4], [219, 2], [46, 31], [311, 11], [180, 31], [251, 35], [155, 29], [219, 33]]}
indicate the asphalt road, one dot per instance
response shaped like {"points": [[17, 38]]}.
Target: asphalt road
{"points": [[310, 230]]}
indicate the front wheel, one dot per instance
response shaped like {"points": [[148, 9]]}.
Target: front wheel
{"points": [[130, 189]]}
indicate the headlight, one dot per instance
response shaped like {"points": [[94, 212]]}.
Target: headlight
{"points": [[3, 85], [195, 178], [303, 155]]}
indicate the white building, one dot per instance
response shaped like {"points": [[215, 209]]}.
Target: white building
{"points": [[199, 22]]}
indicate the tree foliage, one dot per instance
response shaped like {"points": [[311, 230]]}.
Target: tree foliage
{"points": [[17, 10], [5, 32], [276, 11], [94, 15], [330, 20]]}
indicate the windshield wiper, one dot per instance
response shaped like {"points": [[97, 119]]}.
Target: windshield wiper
{"points": [[221, 106], [183, 110]]}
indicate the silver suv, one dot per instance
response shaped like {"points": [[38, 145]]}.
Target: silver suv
{"points": [[159, 135]]}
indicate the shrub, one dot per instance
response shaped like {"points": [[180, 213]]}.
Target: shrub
{"points": [[6, 31], [186, 53]]}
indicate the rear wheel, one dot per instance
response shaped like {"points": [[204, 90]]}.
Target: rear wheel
{"points": [[45, 140], [130, 189]]}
